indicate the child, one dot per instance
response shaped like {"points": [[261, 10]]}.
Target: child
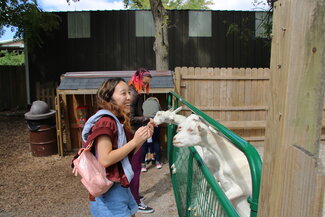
{"points": [[150, 107]]}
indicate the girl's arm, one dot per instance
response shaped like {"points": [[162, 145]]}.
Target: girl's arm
{"points": [[107, 156]]}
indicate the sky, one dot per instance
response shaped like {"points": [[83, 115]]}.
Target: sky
{"points": [[62, 5]]}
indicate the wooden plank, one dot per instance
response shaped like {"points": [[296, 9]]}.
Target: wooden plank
{"points": [[178, 80], [94, 91], [293, 180], [228, 77], [211, 92], [216, 87], [184, 91], [228, 94], [262, 138], [244, 124], [260, 99], [235, 95], [303, 184], [254, 139], [66, 121], [59, 126], [191, 86], [202, 89], [223, 92], [248, 99], [241, 94]]}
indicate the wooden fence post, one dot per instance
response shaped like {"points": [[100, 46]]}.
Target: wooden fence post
{"points": [[293, 178]]}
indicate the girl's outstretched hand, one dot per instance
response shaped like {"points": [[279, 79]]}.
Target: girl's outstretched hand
{"points": [[141, 135], [151, 124]]}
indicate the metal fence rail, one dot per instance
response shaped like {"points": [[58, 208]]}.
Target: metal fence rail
{"points": [[195, 189]]}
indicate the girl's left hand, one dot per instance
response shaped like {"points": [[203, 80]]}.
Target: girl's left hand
{"points": [[152, 123], [150, 126]]}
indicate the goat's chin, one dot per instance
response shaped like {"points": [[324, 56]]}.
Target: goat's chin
{"points": [[181, 145], [178, 144]]}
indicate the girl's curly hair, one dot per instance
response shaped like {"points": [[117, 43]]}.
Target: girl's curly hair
{"points": [[105, 101]]}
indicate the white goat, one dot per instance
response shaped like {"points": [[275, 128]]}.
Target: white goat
{"points": [[228, 164], [169, 116]]}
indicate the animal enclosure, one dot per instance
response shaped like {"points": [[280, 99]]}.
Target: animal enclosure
{"points": [[196, 191]]}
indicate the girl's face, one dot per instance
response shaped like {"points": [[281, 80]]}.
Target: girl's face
{"points": [[121, 95], [145, 82]]}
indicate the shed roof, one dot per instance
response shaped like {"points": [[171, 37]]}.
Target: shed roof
{"points": [[162, 81]]}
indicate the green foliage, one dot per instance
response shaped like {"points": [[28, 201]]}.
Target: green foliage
{"points": [[11, 58], [245, 33], [29, 21], [170, 4]]}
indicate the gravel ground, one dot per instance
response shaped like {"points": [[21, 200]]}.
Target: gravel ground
{"points": [[45, 186]]}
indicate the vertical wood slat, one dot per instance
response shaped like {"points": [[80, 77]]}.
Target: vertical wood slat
{"points": [[293, 178], [59, 133], [223, 93], [46, 93], [13, 87], [66, 122], [216, 91]]}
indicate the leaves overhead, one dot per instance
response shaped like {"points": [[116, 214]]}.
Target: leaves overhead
{"points": [[169, 4], [27, 19]]}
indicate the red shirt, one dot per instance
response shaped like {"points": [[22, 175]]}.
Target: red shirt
{"points": [[107, 126]]}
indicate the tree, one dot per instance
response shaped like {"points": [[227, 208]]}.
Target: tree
{"points": [[28, 19], [160, 17]]}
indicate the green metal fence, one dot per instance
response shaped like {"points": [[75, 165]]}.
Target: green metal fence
{"points": [[195, 189]]}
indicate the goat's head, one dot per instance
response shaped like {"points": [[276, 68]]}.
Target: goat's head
{"points": [[165, 116], [190, 132]]}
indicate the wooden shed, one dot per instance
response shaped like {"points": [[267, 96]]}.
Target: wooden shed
{"points": [[76, 101]]}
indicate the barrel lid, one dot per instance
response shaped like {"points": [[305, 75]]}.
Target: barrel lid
{"points": [[39, 110]]}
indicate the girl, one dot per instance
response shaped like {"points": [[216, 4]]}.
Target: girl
{"points": [[107, 132]]}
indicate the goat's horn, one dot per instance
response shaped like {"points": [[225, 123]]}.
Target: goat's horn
{"points": [[177, 110]]}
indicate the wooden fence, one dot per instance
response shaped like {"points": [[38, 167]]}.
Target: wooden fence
{"points": [[46, 92], [236, 97], [12, 87]]}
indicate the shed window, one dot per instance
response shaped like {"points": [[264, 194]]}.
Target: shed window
{"points": [[261, 19], [144, 24], [78, 25], [199, 24]]}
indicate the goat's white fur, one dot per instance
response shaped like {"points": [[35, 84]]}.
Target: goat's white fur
{"points": [[228, 164], [169, 116]]}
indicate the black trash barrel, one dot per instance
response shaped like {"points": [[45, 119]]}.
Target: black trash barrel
{"points": [[41, 124]]}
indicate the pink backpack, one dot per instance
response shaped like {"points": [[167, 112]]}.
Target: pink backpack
{"points": [[93, 175]]}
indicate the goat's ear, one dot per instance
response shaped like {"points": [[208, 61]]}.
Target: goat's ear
{"points": [[170, 110], [201, 129]]}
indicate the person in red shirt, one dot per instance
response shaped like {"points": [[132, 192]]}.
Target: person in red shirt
{"points": [[114, 96]]}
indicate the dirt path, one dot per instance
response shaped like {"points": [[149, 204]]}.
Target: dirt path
{"points": [[45, 186]]}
